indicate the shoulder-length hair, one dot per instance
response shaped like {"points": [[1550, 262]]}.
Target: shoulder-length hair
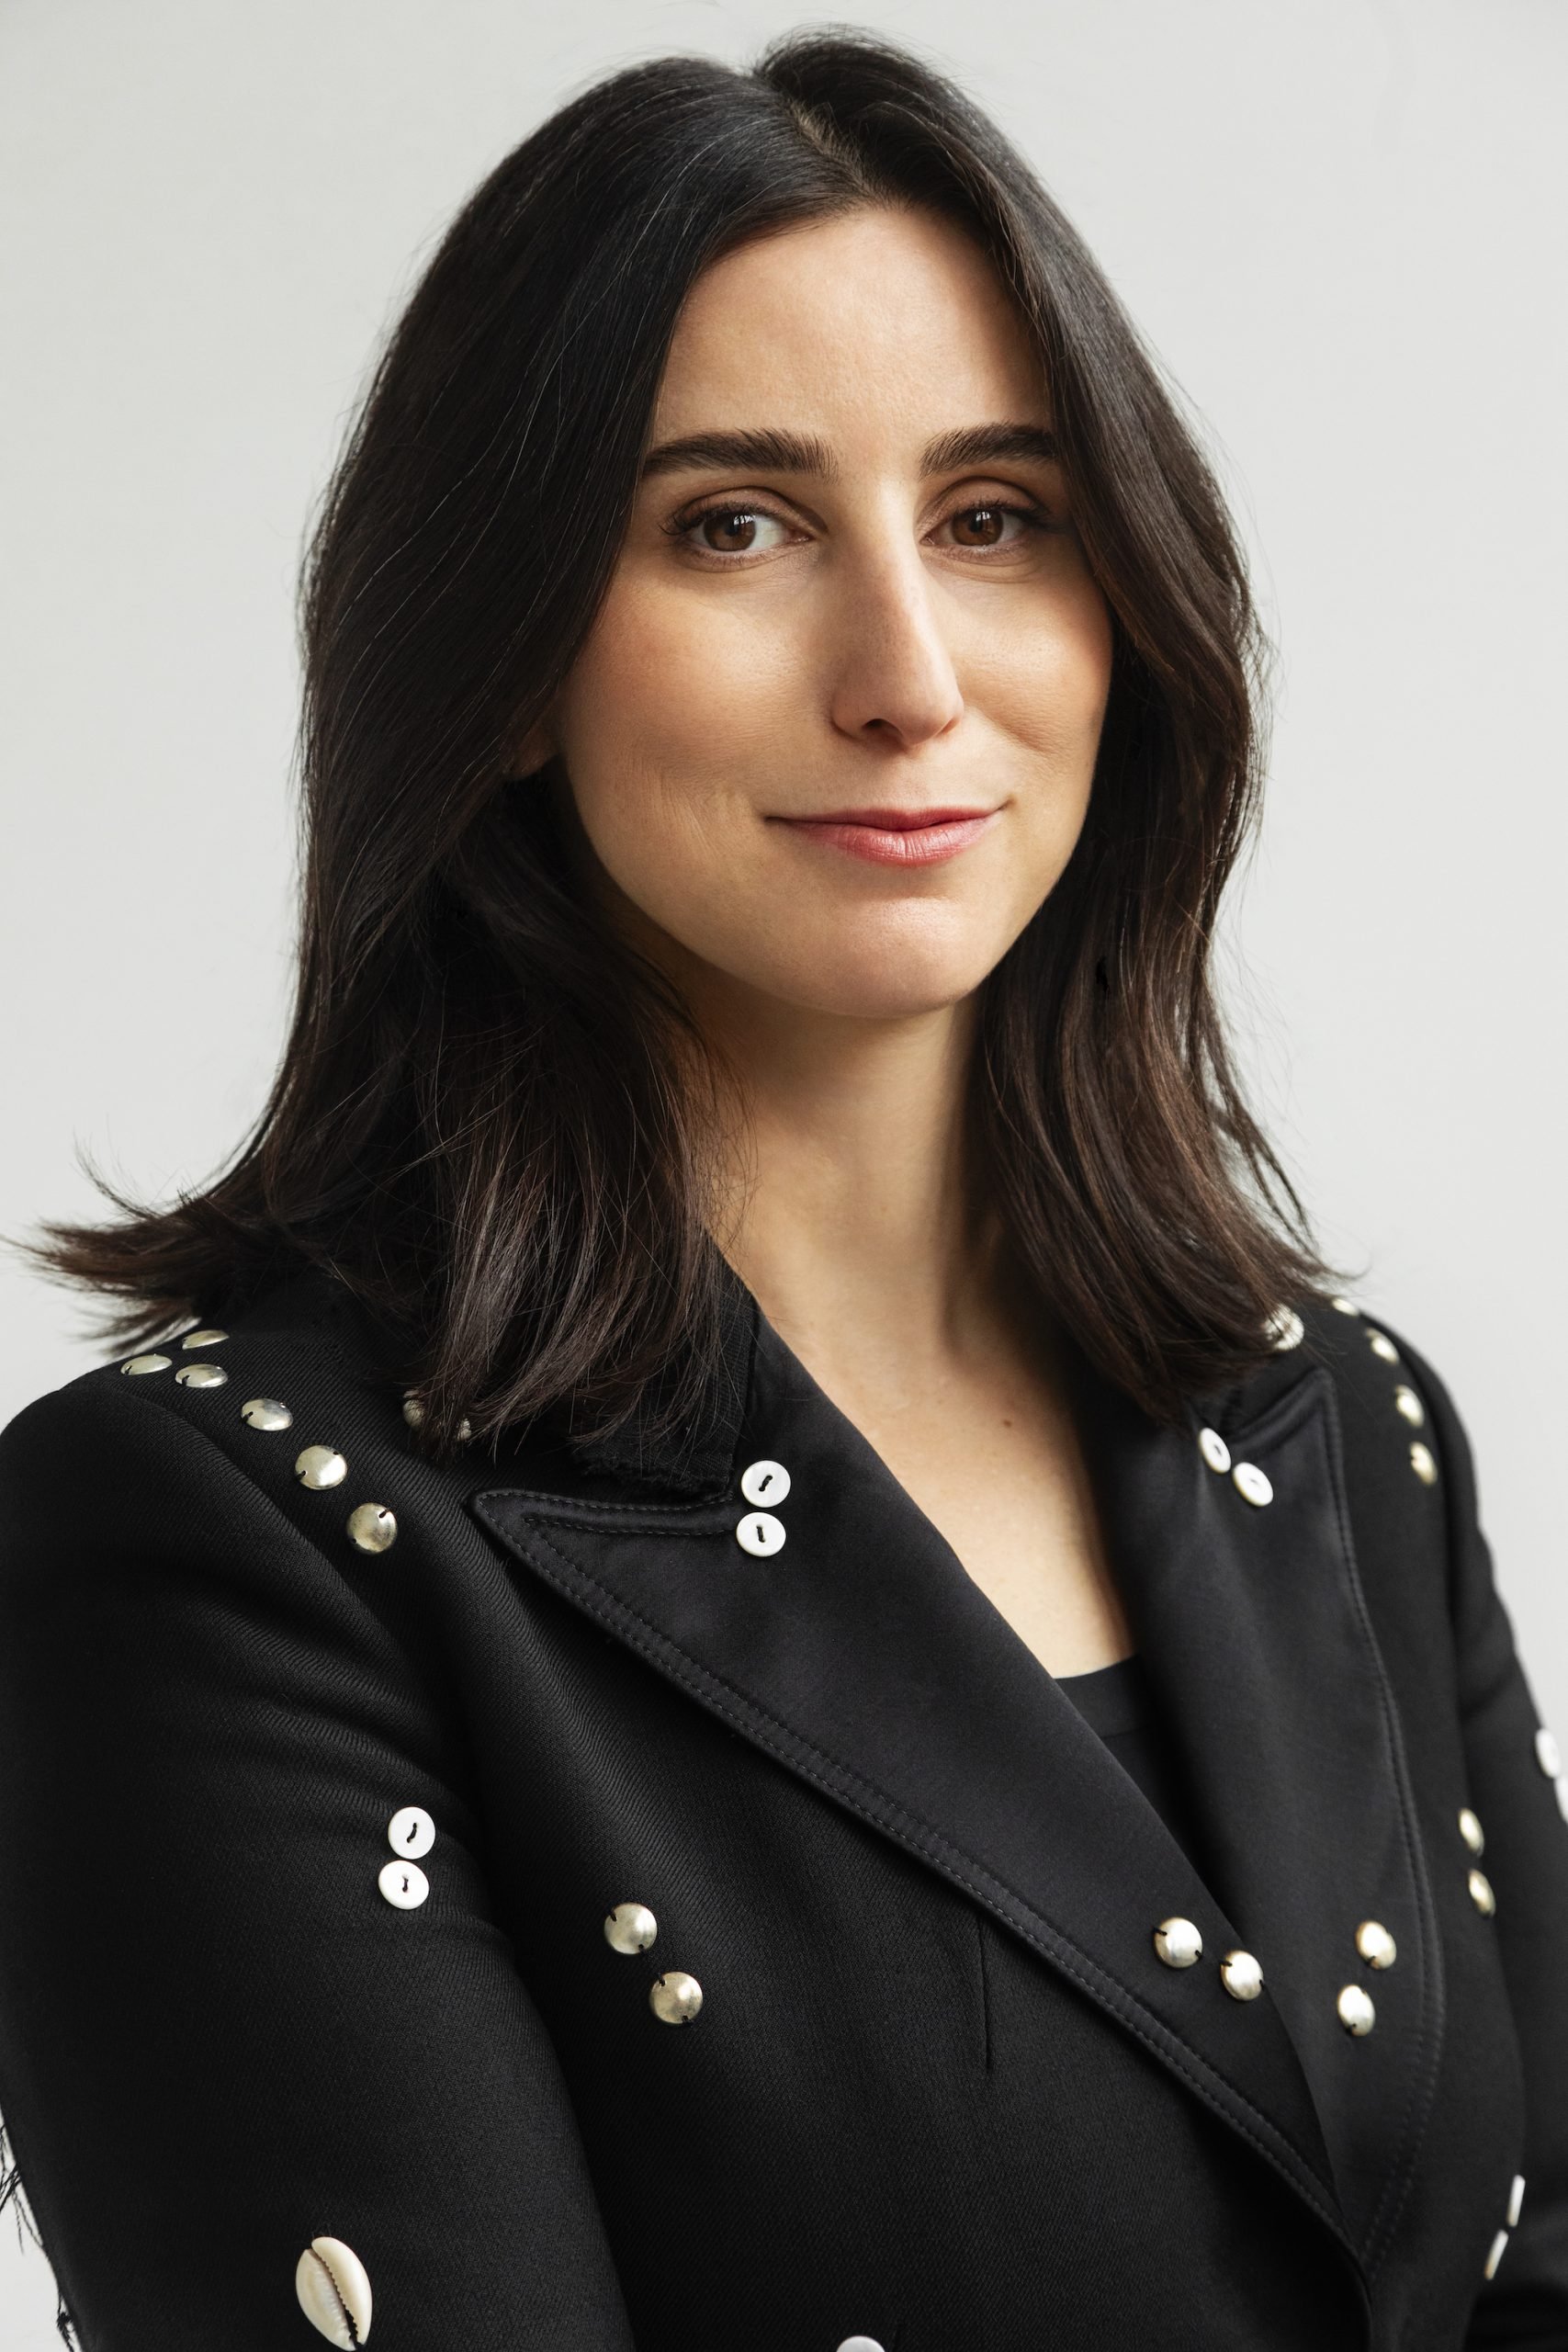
{"points": [[489, 1121]]}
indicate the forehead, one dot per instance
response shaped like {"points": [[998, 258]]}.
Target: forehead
{"points": [[876, 323]]}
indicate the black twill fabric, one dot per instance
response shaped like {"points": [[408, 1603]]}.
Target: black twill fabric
{"points": [[1117, 1702], [940, 2092]]}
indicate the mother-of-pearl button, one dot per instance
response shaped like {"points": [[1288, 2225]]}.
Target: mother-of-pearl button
{"points": [[1469, 1829], [764, 1482], [320, 1467], [265, 1413], [203, 1339], [1357, 2013], [411, 1832], [1242, 1976], [1375, 1944], [202, 1376], [1381, 1345], [630, 1928], [1213, 1449], [136, 1366], [333, 2292], [1178, 1942], [760, 1533], [674, 1997], [404, 1885], [1481, 1894], [1251, 1484]]}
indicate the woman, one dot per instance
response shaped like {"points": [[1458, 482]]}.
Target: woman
{"points": [[765, 1449]]}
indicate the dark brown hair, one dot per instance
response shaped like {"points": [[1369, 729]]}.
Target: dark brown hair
{"points": [[491, 1119]]}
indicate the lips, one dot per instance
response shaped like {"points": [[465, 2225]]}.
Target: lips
{"points": [[896, 836]]}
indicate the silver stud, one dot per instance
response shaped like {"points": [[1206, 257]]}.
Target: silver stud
{"points": [[404, 1885], [265, 1413], [764, 1482], [759, 1533], [410, 1833], [1515, 2200], [675, 1998], [372, 1527], [1213, 1449], [1240, 1975], [1481, 1894], [1469, 1829], [1381, 1345], [860, 2344], [1251, 1484], [1375, 1944], [1179, 1943], [1547, 1754], [139, 1364], [333, 2292], [1284, 1329], [1422, 1465], [1357, 2013], [319, 1467], [413, 1411], [203, 1339], [1406, 1402], [1345, 1306], [201, 1376], [630, 1928], [1495, 2255]]}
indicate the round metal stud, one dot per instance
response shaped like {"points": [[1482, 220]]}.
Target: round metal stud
{"points": [[413, 1411], [1284, 1329], [675, 1998], [372, 1528], [319, 1467], [139, 1364], [759, 1533], [1515, 2200], [1481, 1894], [201, 1376], [265, 1413], [1548, 1755], [1345, 1306], [1381, 1345], [203, 1339], [1469, 1829], [1357, 2012], [1422, 1463], [860, 2344], [764, 1482], [630, 1928], [1213, 1449], [1407, 1403], [1240, 1975], [1375, 1944], [1495, 2254], [410, 1833], [1179, 1943], [1251, 1484], [404, 1885]]}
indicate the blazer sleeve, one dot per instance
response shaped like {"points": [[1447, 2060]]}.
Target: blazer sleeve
{"points": [[1514, 1790], [219, 2039]]}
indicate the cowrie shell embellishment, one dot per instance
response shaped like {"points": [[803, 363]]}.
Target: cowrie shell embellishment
{"points": [[333, 2292]]}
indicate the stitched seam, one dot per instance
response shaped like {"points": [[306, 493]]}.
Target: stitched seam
{"points": [[747, 1706], [1418, 2100]]}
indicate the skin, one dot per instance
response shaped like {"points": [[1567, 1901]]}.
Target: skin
{"points": [[778, 644]]}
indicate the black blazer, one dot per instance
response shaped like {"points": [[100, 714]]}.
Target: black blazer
{"points": [[941, 2093]]}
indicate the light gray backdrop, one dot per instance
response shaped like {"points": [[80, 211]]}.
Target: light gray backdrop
{"points": [[1341, 224]]}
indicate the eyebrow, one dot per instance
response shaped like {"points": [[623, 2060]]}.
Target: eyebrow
{"points": [[775, 452]]}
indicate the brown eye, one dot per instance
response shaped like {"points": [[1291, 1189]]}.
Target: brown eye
{"points": [[984, 527], [731, 530]]}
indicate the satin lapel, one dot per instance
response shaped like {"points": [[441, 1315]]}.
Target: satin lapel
{"points": [[1253, 1627], [864, 1657]]}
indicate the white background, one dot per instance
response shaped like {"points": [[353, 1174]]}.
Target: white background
{"points": [[1341, 225]]}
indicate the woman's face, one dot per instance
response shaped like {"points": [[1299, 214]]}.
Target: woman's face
{"points": [[876, 610]]}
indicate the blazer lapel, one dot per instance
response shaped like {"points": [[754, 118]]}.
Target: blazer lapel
{"points": [[864, 1657], [1256, 1635]]}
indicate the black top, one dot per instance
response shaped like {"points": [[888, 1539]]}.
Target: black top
{"points": [[1118, 1702]]}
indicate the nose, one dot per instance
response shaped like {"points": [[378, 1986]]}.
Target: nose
{"points": [[893, 675]]}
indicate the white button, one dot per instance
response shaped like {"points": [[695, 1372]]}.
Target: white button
{"points": [[1250, 1482], [1381, 1345], [760, 1533], [1496, 2256], [1547, 1754], [1357, 2013], [1469, 1829], [403, 1885], [1515, 2200], [764, 1482], [1178, 1942], [1409, 1405], [1213, 1449], [1345, 1306], [860, 2344], [1240, 1975], [410, 1833]]}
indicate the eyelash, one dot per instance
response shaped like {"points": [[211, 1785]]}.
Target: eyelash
{"points": [[681, 526]]}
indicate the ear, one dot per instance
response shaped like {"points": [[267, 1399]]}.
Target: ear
{"points": [[537, 746]]}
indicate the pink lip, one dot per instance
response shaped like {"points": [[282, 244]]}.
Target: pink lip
{"points": [[896, 836]]}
